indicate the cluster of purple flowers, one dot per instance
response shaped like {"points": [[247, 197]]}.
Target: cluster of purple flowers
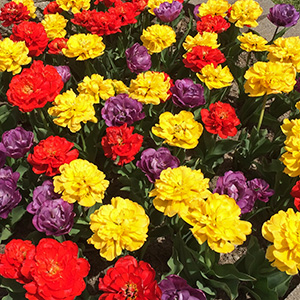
{"points": [[186, 93], [168, 12], [174, 287], [16, 142], [122, 109], [236, 186], [10, 196], [283, 15], [52, 215], [154, 161], [138, 59], [64, 72]]}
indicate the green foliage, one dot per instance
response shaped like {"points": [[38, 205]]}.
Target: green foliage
{"points": [[269, 282]]}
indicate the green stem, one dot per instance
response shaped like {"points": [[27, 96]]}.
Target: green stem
{"points": [[83, 140], [276, 30], [262, 112], [41, 113]]}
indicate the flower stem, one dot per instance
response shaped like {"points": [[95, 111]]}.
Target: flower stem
{"points": [[262, 112], [276, 30]]}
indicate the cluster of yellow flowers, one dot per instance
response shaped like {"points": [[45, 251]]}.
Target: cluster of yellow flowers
{"points": [[150, 88], [179, 130], [252, 42], [283, 231], [176, 189], [214, 7], [215, 78], [13, 55], [74, 5], [245, 13], [98, 87], [80, 181], [123, 224], [84, 46], [216, 220], [54, 25], [70, 109], [266, 78], [286, 50], [291, 158], [158, 37], [242, 12]]}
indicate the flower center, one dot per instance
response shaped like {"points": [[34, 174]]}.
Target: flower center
{"points": [[130, 291], [53, 268], [27, 89], [223, 115]]}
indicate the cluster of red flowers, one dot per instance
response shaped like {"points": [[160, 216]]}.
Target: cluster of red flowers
{"points": [[49, 271], [33, 34], [13, 13], [52, 8], [295, 192], [221, 119], [141, 4], [56, 46], [211, 23], [130, 279], [200, 56], [109, 22], [49, 154], [34, 87], [119, 142]]}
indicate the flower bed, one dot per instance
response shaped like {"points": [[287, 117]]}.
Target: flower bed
{"points": [[142, 140]]}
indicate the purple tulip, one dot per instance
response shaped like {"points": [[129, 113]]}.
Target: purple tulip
{"points": [[154, 161], [261, 189], [122, 109], [234, 184], [54, 217], [196, 12], [168, 12], [297, 85], [40, 195], [187, 94], [283, 15], [9, 195], [138, 59], [16, 142], [174, 287], [64, 72]]}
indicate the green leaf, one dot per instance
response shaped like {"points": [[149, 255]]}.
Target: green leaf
{"points": [[175, 265], [12, 285], [5, 233], [231, 272], [17, 213], [279, 282], [205, 288], [221, 147], [230, 286]]}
